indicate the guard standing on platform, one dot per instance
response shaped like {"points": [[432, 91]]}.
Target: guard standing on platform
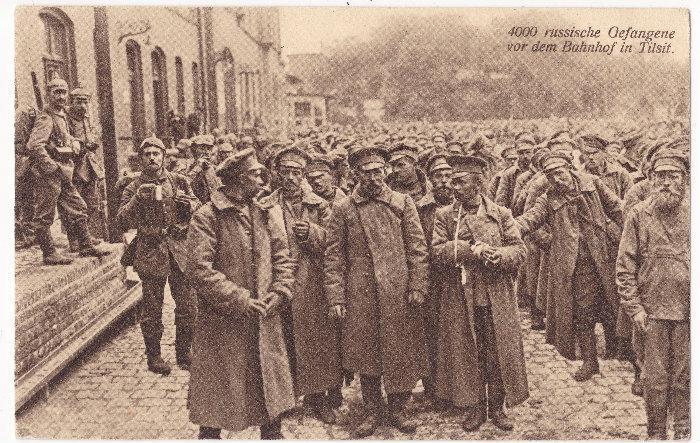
{"points": [[241, 266], [51, 149], [89, 174], [653, 278], [159, 204]]}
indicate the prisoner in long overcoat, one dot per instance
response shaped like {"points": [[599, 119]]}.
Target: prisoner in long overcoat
{"points": [[240, 375], [316, 336], [458, 379], [601, 205], [375, 255]]}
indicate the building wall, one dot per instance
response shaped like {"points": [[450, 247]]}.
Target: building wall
{"points": [[253, 43], [184, 43], [30, 48], [317, 104]]}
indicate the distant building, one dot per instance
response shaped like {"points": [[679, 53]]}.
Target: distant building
{"points": [[224, 63], [307, 100], [373, 109]]}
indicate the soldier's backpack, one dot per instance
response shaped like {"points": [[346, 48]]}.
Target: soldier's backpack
{"points": [[24, 123]]}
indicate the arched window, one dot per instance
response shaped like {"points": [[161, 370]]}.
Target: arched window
{"points": [[135, 79], [59, 50], [160, 93], [180, 86]]}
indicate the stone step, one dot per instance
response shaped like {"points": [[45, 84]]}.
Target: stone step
{"points": [[60, 311]]}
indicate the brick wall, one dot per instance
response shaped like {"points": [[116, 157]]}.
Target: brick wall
{"points": [[53, 305]]}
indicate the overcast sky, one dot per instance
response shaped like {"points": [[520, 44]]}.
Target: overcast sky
{"points": [[310, 29]]}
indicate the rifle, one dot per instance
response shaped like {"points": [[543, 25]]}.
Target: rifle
{"points": [[37, 92]]}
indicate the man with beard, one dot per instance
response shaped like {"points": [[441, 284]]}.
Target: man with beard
{"points": [[241, 267], [312, 337], [202, 172], [88, 176], [477, 248], [319, 174], [376, 267], [440, 195], [51, 148], [524, 145], [643, 188], [581, 267], [653, 278], [405, 177], [159, 204]]}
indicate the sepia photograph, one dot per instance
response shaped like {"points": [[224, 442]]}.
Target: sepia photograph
{"points": [[345, 222]]}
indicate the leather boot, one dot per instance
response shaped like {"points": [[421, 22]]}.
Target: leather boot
{"points": [[87, 249], [680, 410], [319, 404], [183, 346], [397, 418], [272, 430], [656, 409], [73, 244], [474, 417], [370, 422], [637, 388], [207, 433], [155, 361], [611, 342], [48, 250], [335, 397], [500, 420], [586, 337]]}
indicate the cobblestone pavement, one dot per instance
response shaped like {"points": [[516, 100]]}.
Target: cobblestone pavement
{"points": [[109, 394]]}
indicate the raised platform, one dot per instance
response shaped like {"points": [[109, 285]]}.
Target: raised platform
{"points": [[60, 310]]}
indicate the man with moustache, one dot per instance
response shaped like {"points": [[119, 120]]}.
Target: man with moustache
{"points": [[653, 279], [51, 149], [202, 172], [241, 267], [375, 267], [159, 204], [405, 177], [312, 337], [477, 249], [581, 280], [440, 195]]}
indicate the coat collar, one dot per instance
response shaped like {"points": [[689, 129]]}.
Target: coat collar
{"points": [[487, 208], [427, 200], [222, 202], [160, 178], [308, 198], [384, 196]]}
